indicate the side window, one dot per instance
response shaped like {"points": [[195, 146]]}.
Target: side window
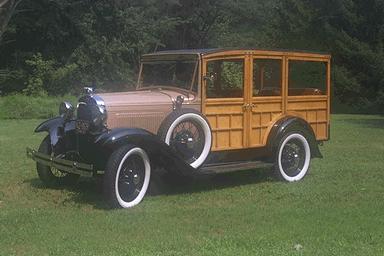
{"points": [[307, 78], [225, 78], [266, 77]]}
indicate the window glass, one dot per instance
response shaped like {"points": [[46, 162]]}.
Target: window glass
{"points": [[172, 73], [225, 79], [307, 78], [266, 77]]}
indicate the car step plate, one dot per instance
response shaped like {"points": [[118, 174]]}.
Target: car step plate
{"points": [[233, 166]]}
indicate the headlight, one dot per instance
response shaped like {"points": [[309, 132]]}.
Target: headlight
{"points": [[66, 111], [99, 114]]}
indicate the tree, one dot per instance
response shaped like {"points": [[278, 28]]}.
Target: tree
{"points": [[194, 19], [7, 8], [99, 42], [247, 23], [353, 32]]}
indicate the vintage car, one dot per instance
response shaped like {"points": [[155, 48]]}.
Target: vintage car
{"points": [[193, 112]]}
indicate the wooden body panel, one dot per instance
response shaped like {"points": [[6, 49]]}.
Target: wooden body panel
{"points": [[227, 120], [240, 123], [313, 109], [267, 111]]}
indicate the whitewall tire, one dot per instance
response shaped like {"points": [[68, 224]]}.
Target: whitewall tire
{"points": [[127, 177], [293, 158], [188, 132]]}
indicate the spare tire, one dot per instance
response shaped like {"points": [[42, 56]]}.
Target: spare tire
{"points": [[188, 132]]}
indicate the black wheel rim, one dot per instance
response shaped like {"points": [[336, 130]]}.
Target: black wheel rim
{"points": [[293, 157], [131, 178], [188, 140], [56, 172]]}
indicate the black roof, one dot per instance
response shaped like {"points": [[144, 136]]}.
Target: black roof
{"points": [[215, 50]]}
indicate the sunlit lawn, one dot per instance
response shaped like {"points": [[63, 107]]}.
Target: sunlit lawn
{"points": [[336, 210]]}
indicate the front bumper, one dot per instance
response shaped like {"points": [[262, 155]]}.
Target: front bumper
{"points": [[61, 164]]}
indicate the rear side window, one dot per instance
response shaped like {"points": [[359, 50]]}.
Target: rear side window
{"points": [[266, 77], [307, 78]]}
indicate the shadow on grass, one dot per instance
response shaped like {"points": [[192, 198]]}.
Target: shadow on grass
{"points": [[376, 123], [168, 183], [89, 191]]}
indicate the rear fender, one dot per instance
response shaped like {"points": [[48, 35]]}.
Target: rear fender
{"points": [[160, 154], [289, 124]]}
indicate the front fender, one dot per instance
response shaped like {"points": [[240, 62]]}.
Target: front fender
{"points": [[289, 124], [56, 129], [53, 127], [158, 151]]}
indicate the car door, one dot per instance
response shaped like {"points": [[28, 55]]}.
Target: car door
{"points": [[266, 96], [225, 99]]}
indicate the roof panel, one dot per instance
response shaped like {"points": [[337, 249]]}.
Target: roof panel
{"points": [[215, 50]]}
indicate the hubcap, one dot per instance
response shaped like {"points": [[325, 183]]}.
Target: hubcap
{"points": [[293, 157], [188, 140], [56, 172], [131, 178], [185, 137]]}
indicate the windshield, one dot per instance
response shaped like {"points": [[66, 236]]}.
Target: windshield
{"points": [[171, 73]]}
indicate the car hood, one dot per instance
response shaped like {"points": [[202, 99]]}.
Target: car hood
{"points": [[138, 98], [142, 109]]}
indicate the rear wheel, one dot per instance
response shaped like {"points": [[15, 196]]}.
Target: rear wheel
{"points": [[293, 158], [127, 177], [50, 176]]}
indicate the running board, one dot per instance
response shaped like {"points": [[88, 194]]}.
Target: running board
{"points": [[233, 166]]}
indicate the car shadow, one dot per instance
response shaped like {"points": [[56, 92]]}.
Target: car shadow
{"points": [[89, 191], [168, 183], [376, 123]]}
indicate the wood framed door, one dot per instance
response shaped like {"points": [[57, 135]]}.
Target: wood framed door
{"points": [[266, 97], [242, 98], [225, 95]]}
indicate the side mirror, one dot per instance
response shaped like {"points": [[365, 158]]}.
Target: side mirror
{"points": [[66, 111], [179, 101]]}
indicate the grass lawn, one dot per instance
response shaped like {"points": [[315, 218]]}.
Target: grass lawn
{"points": [[337, 209]]}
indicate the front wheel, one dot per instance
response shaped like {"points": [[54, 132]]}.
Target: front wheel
{"points": [[52, 177], [127, 177], [293, 158]]}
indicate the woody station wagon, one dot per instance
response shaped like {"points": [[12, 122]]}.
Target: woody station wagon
{"points": [[193, 112]]}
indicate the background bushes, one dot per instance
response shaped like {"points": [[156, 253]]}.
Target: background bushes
{"points": [[58, 47], [21, 106]]}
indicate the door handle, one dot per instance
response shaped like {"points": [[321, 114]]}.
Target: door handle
{"points": [[246, 106], [253, 106]]}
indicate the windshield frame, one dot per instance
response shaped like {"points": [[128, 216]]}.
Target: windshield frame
{"points": [[170, 87]]}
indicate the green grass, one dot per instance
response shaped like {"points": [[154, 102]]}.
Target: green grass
{"points": [[337, 209], [19, 106]]}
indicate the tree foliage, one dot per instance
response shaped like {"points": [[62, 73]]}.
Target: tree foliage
{"points": [[56, 47], [352, 30], [7, 8]]}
